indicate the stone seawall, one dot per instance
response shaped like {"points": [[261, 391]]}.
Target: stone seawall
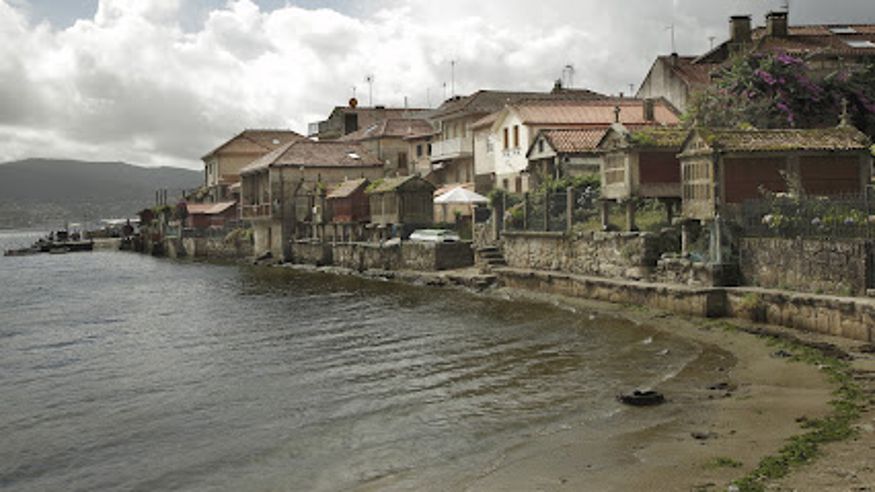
{"points": [[832, 266], [852, 318], [610, 255], [407, 255]]}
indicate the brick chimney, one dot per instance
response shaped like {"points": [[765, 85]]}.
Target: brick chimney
{"points": [[739, 29], [648, 108], [776, 24]]}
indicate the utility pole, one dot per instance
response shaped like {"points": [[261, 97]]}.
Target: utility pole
{"points": [[673, 47], [452, 78]]}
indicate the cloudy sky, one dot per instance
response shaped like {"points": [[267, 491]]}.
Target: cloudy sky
{"points": [[161, 82]]}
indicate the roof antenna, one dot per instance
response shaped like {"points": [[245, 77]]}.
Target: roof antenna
{"points": [[617, 113], [785, 6], [569, 69], [711, 40], [452, 78]]}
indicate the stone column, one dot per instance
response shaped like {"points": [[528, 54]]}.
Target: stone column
{"points": [[569, 209], [685, 238], [606, 215], [630, 216], [526, 211]]}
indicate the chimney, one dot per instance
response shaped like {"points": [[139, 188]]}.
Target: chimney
{"points": [[649, 114], [776, 24], [739, 29], [674, 59]]}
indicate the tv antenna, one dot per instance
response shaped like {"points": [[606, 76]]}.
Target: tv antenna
{"points": [[711, 40], [568, 72], [370, 80]]}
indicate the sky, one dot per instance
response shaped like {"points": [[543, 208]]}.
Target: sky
{"points": [[163, 82]]}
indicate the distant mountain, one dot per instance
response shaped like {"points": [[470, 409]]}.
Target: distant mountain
{"points": [[37, 193]]}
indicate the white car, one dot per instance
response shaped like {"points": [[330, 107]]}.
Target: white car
{"points": [[435, 236]]}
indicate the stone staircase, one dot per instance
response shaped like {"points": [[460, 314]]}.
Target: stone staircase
{"points": [[489, 257]]}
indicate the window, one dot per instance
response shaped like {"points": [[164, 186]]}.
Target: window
{"points": [[518, 184], [516, 136], [419, 150], [429, 149], [506, 139], [541, 146], [505, 184], [402, 160]]}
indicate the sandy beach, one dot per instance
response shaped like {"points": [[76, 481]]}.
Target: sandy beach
{"points": [[702, 438]]}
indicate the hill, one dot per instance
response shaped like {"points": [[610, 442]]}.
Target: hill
{"points": [[38, 193]]}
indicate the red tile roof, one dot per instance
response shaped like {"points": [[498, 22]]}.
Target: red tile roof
{"points": [[308, 153], [594, 113], [259, 140], [391, 128], [572, 141]]}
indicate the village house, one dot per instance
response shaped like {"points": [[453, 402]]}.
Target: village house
{"points": [[210, 215], [387, 140], [720, 169], [453, 147], [223, 164], [640, 163], [506, 136], [404, 202], [419, 150], [826, 47], [282, 188], [348, 203], [344, 120], [564, 152]]}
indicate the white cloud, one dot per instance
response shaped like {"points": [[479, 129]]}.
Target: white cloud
{"points": [[131, 84]]}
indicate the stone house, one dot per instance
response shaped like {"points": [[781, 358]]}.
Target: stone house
{"points": [[387, 140], [419, 150], [344, 120], [562, 152], [280, 189], [509, 134], [827, 47], [640, 163], [223, 164], [406, 202], [454, 147], [348, 203], [722, 168]]}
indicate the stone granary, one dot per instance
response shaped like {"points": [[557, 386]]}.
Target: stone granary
{"points": [[206, 215], [640, 163], [278, 190], [720, 169], [348, 203], [405, 202], [564, 152]]}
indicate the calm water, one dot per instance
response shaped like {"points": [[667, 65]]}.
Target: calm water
{"points": [[123, 372]]}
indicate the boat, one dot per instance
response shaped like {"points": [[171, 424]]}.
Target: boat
{"points": [[639, 398], [22, 252], [56, 243]]}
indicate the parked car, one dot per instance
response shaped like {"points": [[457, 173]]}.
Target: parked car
{"points": [[435, 236]]}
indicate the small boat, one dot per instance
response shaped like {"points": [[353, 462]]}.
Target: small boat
{"points": [[642, 398], [21, 252], [59, 250]]}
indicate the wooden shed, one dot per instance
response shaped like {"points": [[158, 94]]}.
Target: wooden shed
{"points": [[640, 163], [406, 200], [349, 203], [723, 168]]}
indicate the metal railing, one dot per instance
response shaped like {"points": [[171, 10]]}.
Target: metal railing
{"points": [[843, 216]]}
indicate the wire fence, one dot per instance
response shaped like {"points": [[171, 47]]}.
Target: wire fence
{"points": [[548, 211], [845, 216]]}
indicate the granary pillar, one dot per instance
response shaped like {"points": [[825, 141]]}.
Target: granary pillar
{"points": [[685, 238], [606, 214], [630, 216]]}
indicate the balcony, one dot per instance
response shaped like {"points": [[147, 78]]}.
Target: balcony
{"points": [[453, 148]]}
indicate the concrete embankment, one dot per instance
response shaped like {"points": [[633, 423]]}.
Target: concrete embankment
{"points": [[847, 317]]}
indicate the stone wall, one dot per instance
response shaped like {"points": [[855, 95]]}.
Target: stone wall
{"points": [[210, 248], [406, 255], [615, 255], [831, 266]]}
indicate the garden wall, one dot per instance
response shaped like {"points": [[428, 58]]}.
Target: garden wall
{"points": [[831, 266]]}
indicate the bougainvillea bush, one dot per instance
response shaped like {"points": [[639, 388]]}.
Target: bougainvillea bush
{"points": [[778, 90]]}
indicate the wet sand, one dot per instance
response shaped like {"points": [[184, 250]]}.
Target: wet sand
{"points": [[674, 446]]}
